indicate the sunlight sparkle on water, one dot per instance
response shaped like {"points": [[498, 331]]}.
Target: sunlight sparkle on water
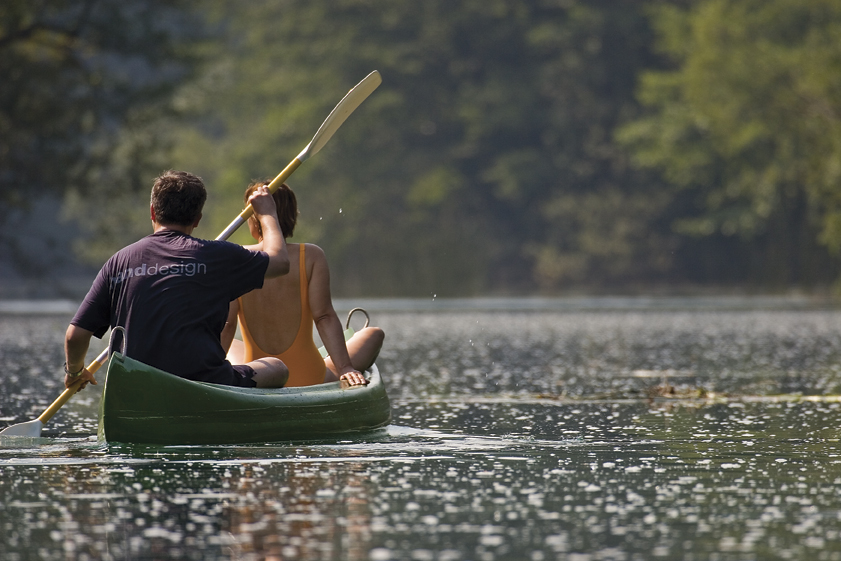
{"points": [[515, 435]]}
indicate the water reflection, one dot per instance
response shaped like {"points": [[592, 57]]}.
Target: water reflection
{"points": [[673, 481], [515, 436]]}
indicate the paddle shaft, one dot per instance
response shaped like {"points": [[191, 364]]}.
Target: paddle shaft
{"points": [[68, 393]]}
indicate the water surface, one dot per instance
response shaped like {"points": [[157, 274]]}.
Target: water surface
{"points": [[597, 429]]}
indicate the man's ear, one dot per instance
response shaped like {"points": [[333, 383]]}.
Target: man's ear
{"points": [[152, 212], [196, 223]]}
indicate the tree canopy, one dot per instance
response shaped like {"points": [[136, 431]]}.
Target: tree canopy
{"points": [[75, 73], [84, 88], [468, 170], [512, 147], [747, 123]]}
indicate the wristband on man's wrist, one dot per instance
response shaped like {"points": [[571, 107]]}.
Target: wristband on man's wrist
{"points": [[73, 374]]}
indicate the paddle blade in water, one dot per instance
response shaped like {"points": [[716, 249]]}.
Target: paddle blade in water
{"points": [[30, 428]]}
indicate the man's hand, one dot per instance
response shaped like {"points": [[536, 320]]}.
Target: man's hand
{"points": [[262, 202], [273, 242], [85, 377], [352, 378]]}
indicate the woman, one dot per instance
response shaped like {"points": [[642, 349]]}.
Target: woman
{"points": [[277, 320]]}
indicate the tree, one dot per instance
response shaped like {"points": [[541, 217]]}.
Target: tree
{"points": [[480, 164], [81, 82], [746, 126]]}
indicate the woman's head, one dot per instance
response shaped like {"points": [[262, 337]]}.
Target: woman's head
{"points": [[287, 208]]}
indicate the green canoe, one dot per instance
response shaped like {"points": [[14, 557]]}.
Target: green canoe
{"points": [[142, 404]]}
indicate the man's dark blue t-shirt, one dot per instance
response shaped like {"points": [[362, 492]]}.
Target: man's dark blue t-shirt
{"points": [[171, 293]]}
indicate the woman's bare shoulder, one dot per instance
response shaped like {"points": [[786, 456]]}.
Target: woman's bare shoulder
{"points": [[315, 260], [313, 253]]}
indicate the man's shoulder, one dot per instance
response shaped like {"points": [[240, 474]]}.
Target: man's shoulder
{"points": [[223, 246], [234, 254], [128, 250], [186, 241], [142, 242]]}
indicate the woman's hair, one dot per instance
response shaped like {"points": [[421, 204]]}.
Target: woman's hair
{"points": [[286, 203], [178, 198]]}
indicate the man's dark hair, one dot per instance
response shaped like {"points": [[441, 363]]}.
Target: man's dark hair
{"points": [[178, 198]]}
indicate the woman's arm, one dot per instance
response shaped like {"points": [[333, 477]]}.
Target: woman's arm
{"points": [[326, 321]]}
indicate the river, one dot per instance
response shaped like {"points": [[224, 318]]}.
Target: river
{"points": [[532, 429]]}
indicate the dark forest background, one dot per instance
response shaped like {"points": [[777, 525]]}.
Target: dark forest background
{"points": [[529, 147]]}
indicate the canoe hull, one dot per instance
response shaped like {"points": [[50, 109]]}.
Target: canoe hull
{"points": [[141, 404]]}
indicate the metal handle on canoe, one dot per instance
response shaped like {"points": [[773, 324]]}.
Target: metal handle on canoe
{"points": [[350, 313]]}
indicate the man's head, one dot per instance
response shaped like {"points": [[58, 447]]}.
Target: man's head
{"points": [[177, 198], [287, 208]]}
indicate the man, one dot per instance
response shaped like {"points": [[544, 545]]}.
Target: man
{"points": [[170, 292]]}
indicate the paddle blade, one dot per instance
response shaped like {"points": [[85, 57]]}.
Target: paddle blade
{"points": [[30, 428], [341, 112]]}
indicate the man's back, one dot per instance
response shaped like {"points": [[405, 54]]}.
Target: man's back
{"points": [[171, 292]]}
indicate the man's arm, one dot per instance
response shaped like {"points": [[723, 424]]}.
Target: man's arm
{"points": [[76, 343], [273, 242]]}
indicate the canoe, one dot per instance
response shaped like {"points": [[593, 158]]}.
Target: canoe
{"points": [[141, 404]]}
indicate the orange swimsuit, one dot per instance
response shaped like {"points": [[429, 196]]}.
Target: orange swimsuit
{"points": [[306, 366]]}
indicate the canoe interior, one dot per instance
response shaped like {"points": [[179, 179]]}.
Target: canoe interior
{"points": [[141, 404]]}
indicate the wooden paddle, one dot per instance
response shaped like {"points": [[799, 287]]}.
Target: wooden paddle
{"points": [[331, 124]]}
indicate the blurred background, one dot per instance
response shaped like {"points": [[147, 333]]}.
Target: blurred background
{"points": [[529, 147]]}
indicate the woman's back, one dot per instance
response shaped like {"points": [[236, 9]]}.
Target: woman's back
{"points": [[273, 314], [277, 320]]}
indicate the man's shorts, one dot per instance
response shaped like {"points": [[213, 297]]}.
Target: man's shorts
{"points": [[243, 376]]}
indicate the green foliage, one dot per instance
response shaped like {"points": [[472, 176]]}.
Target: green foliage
{"points": [[746, 124], [513, 147], [71, 72], [489, 113], [84, 90]]}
